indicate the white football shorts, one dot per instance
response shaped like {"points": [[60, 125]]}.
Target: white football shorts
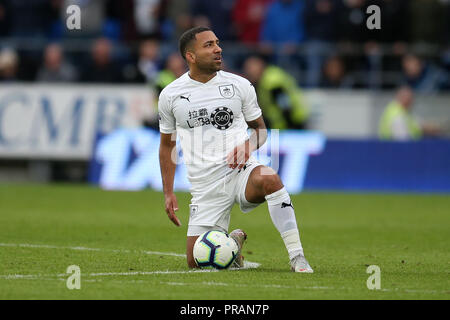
{"points": [[210, 207]]}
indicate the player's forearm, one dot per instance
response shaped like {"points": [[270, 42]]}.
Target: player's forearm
{"points": [[168, 167], [259, 134], [257, 139]]}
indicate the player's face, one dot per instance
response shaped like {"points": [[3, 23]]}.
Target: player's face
{"points": [[208, 54]]}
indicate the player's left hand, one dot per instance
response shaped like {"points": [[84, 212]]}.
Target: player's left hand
{"points": [[171, 207], [239, 156]]}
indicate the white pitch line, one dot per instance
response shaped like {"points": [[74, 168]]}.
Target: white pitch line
{"points": [[276, 286], [134, 273], [247, 264], [60, 277], [146, 273], [205, 283], [103, 274], [20, 276], [45, 246], [166, 253]]}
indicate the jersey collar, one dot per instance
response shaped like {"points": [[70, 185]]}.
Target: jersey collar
{"points": [[212, 80]]}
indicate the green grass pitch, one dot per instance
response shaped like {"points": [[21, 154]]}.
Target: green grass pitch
{"points": [[127, 248]]}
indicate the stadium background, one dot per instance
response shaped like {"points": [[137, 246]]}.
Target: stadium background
{"points": [[61, 88], [79, 106]]}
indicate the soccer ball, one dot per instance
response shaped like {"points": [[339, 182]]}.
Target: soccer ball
{"points": [[215, 249]]}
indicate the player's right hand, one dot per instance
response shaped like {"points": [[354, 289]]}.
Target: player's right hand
{"points": [[172, 206]]}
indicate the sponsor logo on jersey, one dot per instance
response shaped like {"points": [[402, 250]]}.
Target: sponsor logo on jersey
{"points": [[222, 118], [227, 91], [198, 118]]}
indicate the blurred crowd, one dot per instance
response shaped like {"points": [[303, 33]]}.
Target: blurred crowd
{"points": [[321, 43]]}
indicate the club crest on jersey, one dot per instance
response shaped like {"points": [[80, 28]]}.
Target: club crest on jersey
{"points": [[227, 91], [222, 118]]}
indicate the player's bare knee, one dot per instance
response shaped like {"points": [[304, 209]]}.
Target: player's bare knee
{"points": [[260, 175], [266, 179], [272, 183], [266, 171]]}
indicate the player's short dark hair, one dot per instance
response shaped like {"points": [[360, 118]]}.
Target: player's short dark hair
{"points": [[187, 37]]}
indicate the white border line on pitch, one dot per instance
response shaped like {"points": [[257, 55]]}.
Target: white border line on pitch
{"points": [[247, 264], [46, 246]]}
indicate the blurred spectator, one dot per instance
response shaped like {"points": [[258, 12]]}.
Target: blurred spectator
{"points": [[175, 67], [282, 31], [147, 17], [201, 21], [376, 58], [248, 16], [280, 98], [178, 14], [218, 12], [120, 24], [397, 123], [9, 61], [422, 76], [148, 63], [335, 74], [102, 68], [321, 19], [284, 23], [55, 69]]}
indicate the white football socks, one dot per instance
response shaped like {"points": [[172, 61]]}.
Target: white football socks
{"points": [[283, 217]]}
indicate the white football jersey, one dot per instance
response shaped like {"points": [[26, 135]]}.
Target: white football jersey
{"points": [[210, 120]]}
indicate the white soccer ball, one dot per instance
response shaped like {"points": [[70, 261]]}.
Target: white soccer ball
{"points": [[215, 249]]}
